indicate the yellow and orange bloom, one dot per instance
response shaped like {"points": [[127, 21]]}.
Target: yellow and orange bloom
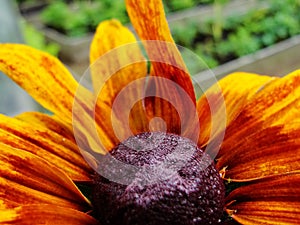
{"points": [[41, 165]]}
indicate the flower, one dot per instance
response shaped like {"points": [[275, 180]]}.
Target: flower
{"points": [[258, 158]]}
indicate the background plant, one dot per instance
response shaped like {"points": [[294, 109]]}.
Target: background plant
{"points": [[77, 18], [36, 39], [217, 41], [240, 35]]}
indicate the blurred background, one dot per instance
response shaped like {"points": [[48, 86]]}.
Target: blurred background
{"points": [[260, 36]]}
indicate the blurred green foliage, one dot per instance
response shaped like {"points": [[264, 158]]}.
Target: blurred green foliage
{"points": [[175, 5], [216, 41], [25, 1], [78, 17], [243, 34], [36, 39]]}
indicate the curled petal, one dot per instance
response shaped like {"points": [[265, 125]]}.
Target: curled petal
{"points": [[45, 214], [267, 201]]}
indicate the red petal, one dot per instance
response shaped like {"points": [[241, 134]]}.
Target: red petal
{"points": [[271, 151], [274, 200], [176, 98]]}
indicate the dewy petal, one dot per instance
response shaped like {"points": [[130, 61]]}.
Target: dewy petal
{"points": [[234, 91], [278, 103], [273, 150], [28, 179], [43, 76], [273, 200], [117, 64], [45, 214], [148, 19], [60, 150]]}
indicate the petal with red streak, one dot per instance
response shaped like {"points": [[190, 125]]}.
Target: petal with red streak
{"points": [[43, 76], [60, 150], [28, 179], [118, 70], [278, 103], [48, 122], [45, 214], [47, 80], [222, 103], [270, 151], [148, 19], [273, 200]]}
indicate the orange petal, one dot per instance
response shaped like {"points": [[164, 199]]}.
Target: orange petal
{"points": [[118, 65], [28, 179], [45, 214], [273, 150], [233, 92], [116, 60], [60, 150], [112, 34], [278, 103], [56, 125], [48, 122], [43, 76], [171, 109], [51, 84], [148, 19], [274, 200]]}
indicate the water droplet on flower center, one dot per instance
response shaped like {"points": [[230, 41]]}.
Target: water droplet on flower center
{"points": [[176, 183]]}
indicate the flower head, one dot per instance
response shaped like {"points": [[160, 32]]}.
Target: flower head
{"points": [[148, 123]]}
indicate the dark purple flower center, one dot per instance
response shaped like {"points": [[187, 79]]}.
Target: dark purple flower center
{"points": [[173, 182]]}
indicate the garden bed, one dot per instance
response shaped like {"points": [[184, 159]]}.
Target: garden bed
{"points": [[193, 29], [276, 60], [228, 37], [75, 49]]}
